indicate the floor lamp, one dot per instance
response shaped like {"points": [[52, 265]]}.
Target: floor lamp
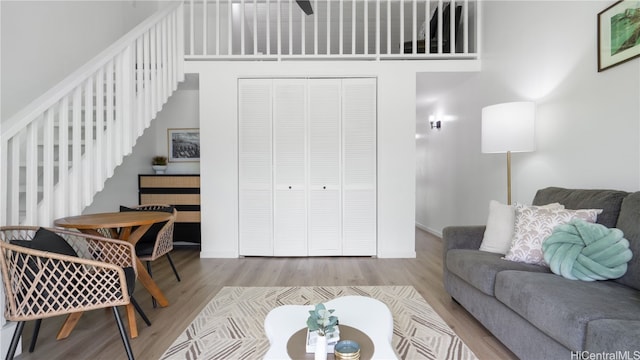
{"points": [[507, 128]]}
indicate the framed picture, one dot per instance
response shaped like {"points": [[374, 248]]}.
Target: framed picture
{"points": [[618, 33], [184, 145]]}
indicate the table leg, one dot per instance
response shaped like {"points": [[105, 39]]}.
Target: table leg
{"points": [[72, 321], [69, 324], [131, 318], [150, 285]]}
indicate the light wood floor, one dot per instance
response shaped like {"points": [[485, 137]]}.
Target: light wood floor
{"points": [[96, 335]]}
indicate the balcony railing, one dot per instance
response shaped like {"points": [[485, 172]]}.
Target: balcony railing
{"points": [[337, 29]]}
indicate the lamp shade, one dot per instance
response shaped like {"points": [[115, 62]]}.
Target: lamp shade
{"points": [[508, 127]]}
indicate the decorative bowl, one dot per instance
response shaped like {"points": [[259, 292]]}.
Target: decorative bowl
{"points": [[347, 349]]}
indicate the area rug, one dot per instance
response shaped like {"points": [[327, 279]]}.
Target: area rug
{"points": [[231, 325]]}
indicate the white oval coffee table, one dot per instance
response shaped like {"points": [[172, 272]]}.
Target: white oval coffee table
{"points": [[366, 314]]}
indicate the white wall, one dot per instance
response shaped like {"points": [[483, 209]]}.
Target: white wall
{"points": [[44, 41], [396, 147], [587, 122]]}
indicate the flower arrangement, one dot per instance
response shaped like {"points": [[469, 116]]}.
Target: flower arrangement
{"points": [[321, 320], [159, 160]]}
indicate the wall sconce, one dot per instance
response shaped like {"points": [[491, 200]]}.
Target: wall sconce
{"points": [[435, 124]]}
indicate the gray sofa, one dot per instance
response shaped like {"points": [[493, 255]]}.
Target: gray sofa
{"points": [[540, 315]]}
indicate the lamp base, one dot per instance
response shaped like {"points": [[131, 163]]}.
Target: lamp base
{"points": [[508, 177]]}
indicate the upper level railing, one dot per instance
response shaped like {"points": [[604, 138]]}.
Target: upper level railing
{"points": [[57, 152], [337, 29]]}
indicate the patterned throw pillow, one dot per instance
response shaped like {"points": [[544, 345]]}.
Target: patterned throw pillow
{"points": [[499, 231], [534, 224]]}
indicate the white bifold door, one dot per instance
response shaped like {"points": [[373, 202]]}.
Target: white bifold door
{"points": [[307, 171]]}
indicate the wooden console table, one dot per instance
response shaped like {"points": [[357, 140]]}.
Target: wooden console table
{"points": [[181, 191]]}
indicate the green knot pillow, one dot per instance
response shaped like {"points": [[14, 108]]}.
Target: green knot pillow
{"points": [[586, 251]]}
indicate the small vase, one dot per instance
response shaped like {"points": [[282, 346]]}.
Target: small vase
{"points": [[321, 348], [159, 169]]}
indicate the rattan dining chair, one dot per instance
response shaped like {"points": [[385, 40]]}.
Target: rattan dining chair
{"points": [[51, 272], [158, 241]]}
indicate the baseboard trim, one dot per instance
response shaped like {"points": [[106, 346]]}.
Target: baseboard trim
{"points": [[398, 255], [218, 255], [429, 230]]}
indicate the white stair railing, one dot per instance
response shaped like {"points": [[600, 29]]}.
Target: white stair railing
{"points": [[57, 152], [337, 30]]}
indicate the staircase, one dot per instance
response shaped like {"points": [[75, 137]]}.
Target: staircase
{"points": [[57, 153]]}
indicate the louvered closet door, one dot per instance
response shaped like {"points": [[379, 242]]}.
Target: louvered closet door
{"points": [[289, 131], [325, 213], [255, 167], [359, 166]]}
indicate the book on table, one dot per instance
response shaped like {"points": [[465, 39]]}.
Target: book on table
{"points": [[332, 339]]}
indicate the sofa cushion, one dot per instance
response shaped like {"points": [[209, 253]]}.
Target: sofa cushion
{"points": [[479, 268], [610, 336], [563, 308], [607, 200], [629, 223]]}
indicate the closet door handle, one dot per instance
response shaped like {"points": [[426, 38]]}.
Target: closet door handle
{"points": [[289, 187], [324, 187]]}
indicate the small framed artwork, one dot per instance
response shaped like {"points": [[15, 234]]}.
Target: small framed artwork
{"points": [[184, 145], [618, 33]]}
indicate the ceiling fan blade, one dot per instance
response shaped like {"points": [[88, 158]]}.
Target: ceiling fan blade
{"points": [[305, 5]]}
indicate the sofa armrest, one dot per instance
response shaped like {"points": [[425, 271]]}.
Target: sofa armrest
{"points": [[459, 237], [462, 237]]}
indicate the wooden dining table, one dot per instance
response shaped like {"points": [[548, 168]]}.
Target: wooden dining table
{"points": [[120, 225]]}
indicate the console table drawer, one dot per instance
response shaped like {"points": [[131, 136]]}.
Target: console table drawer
{"points": [[188, 216], [173, 199], [169, 181]]}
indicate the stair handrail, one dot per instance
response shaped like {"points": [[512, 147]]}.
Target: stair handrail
{"points": [[38, 106], [113, 97]]}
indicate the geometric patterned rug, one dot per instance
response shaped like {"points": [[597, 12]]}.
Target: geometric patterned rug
{"points": [[231, 325]]}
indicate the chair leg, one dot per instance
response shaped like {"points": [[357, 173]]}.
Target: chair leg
{"points": [[153, 300], [14, 341], [123, 333], [173, 266], [139, 310], [34, 338]]}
